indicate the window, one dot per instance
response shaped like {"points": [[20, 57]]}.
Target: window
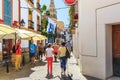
{"points": [[7, 12], [38, 23], [30, 22], [32, 1]]}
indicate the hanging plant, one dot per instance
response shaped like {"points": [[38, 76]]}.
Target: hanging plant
{"points": [[44, 21]]}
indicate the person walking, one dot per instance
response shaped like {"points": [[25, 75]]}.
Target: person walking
{"points": [[55, 47], [18, 55], [49, 57], [40, 50], [63, 59], [32, 51]]}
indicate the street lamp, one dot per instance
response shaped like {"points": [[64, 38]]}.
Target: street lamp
{"points": [[22, 23]]}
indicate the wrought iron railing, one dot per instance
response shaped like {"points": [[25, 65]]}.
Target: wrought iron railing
{"points": [[30, 24], [38, 6], [32, 1], [38, 27]]}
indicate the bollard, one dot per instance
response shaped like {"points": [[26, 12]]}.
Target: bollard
{"points": [[7, 66], [23, 61]]}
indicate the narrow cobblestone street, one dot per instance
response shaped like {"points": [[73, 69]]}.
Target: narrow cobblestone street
{"points": [[39, 72]]}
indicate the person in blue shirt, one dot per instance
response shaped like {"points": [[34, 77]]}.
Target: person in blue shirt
{"points": [[32, 51]]}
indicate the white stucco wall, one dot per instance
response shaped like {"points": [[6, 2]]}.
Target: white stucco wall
{"points": [[76, 43], [24, 15], [76, 48], [14, 13], [94, 15], [0, 9], [0, 18], [24, 12], [15, 10]]}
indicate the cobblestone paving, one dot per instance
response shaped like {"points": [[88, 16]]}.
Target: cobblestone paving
{"points": [[40, 72]]}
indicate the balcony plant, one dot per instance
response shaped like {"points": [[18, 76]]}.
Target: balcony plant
{"points": [[44, 21]]}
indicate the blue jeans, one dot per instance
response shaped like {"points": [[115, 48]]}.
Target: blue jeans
{"points": [[63, 61]]}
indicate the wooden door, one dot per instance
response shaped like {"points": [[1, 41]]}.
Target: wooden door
{"points": [[7, 47], [116, 49]]}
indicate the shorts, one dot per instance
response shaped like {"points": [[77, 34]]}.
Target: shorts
{"points": [[40, 53], [32, 55]]}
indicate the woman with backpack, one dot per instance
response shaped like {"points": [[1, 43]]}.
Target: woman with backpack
{"points": [[63, 58]]}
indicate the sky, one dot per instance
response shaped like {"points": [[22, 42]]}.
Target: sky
{"points": [[62, 14]]}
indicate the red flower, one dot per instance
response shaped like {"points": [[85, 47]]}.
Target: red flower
{"points": [[70, 2], [1, 21]]}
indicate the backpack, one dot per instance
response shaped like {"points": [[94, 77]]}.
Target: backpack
{"points": [[67, 53], [13, 49]]}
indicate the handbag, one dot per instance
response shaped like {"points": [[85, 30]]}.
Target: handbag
{"points": [[67, 55]]}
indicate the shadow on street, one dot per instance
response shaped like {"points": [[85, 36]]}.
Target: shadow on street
{"points": [[91, 78], [62, 77]]}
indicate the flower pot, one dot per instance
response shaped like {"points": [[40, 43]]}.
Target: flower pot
{"points": [[73, 30]]}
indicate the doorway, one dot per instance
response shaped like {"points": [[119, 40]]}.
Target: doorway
{"points": [[7, 47], [116, 49]]}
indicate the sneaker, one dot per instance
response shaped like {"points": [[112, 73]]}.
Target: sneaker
{"points": [[47, 75], [62, 73], [50, 76]]}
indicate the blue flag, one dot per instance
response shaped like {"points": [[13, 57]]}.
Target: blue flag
{"points": [[51, 26]]}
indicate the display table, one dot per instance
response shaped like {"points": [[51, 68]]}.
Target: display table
{"points": [[13, 59], [26, 57]]}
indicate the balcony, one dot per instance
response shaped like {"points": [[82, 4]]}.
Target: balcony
{"points": [[38, 27], [38, 6], [30, 24], [32, 1], [75, 18]]}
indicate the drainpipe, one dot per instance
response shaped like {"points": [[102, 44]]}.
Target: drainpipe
{"points": [[19, 8]]}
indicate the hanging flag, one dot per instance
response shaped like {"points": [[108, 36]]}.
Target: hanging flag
{"points": [[51, 26]]}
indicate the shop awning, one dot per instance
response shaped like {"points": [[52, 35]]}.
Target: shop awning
{"points": [[5, 29]]}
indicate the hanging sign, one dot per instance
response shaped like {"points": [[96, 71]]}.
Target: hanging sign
{"points": [[70, 2]]}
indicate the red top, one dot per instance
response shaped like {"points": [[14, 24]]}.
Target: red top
{"points": [[18, 50], [55, 48]]}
